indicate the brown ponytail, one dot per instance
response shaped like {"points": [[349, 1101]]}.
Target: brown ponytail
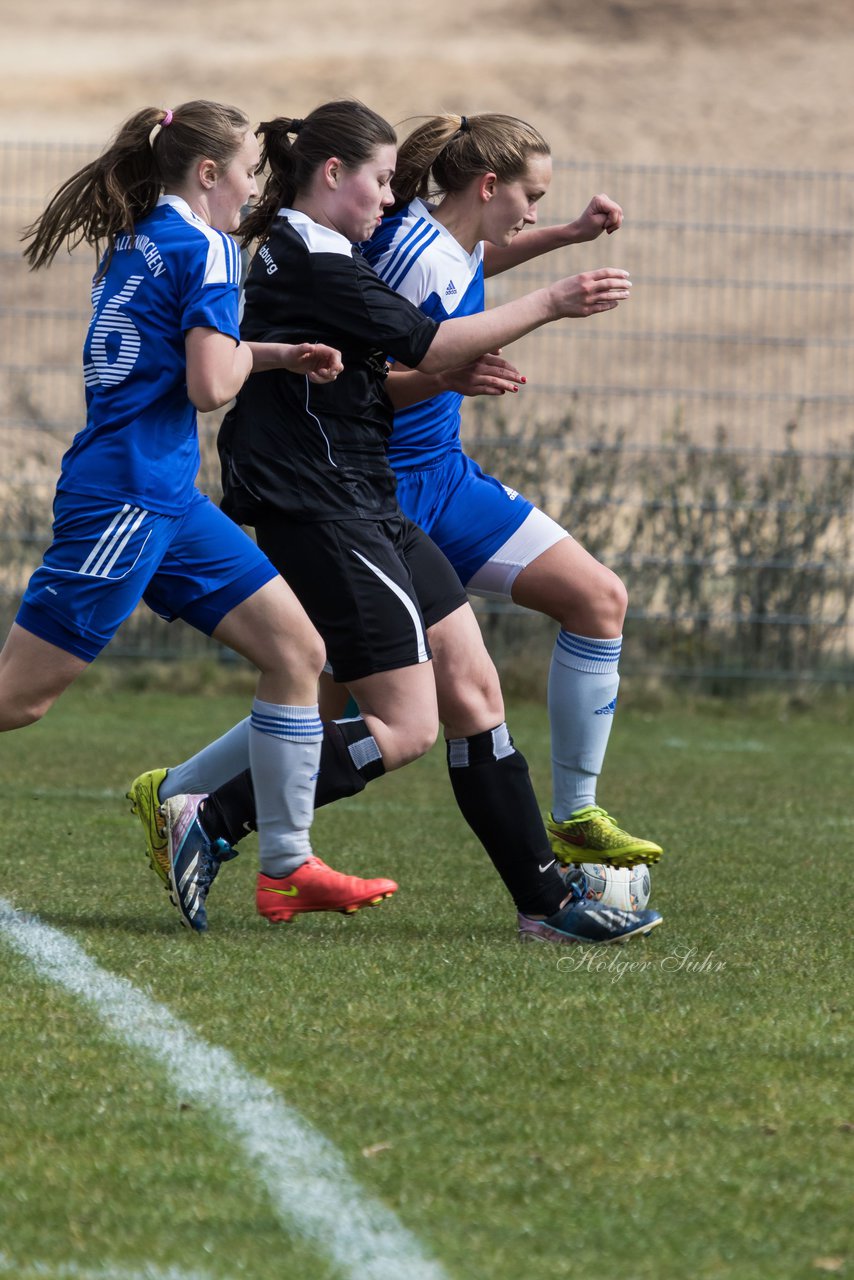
{"points": [[294, 149], [442, 155], [152, 150]]}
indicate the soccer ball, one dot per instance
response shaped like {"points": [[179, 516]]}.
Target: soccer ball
{"points": [[625, 887]]}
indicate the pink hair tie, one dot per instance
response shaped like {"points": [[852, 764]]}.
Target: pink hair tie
{"points": [[161, 124]]}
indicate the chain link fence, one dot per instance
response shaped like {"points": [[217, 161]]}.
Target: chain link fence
{"points": [[698, 439]]}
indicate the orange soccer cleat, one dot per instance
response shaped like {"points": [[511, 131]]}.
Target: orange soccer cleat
{"points": [[316, 887]]}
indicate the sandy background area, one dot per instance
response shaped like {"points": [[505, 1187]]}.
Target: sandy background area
{"points": [[742, 82], [752, 319], [756, 84]]}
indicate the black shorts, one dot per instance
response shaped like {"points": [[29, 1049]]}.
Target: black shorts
{"points": [[371, 587]]}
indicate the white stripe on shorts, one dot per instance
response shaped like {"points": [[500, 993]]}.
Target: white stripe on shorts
{"points": [[113, 541], [420, 637]]}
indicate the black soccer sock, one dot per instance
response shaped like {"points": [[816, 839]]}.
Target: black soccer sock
{"points": [[229, 812], [349, 760], [493, 789]]}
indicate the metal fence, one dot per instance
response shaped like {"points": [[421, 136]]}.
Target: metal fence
{"points": [[698, 439]]}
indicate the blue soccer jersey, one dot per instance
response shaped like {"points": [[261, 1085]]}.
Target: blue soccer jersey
{"points": [[140, 443], [469, 515], [420, 259]]}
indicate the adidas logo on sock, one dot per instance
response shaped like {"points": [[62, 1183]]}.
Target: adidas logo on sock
{"points": [[608, 710]]}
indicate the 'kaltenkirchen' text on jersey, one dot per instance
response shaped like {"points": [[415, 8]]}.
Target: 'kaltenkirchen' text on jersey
{"points": [[140, 443], [419, 258], [318, 451]]}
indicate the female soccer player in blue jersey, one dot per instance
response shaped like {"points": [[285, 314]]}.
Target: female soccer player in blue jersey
{"points": [[489, 172], [129, 524], [307, 467]]}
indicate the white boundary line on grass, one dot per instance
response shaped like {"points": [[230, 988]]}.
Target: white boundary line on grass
{"points": [[305, 1176]]}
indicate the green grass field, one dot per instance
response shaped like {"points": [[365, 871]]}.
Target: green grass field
{"points": [[679, 1108]]}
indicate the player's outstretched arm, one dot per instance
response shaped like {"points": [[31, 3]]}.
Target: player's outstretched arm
{"points": [[601, 214], [217, 366], [464, 338], [319, 362], [488, 375]]}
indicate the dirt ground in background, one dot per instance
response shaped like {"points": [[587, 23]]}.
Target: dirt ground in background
{"points": [[743, 82]]}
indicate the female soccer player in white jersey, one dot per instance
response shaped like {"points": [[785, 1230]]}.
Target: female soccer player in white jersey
{"points": [[307, 466], [490, 171], [129, 524]]}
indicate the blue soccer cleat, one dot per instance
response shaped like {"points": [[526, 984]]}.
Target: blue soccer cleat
{"points": [[194, 859], [581, 921]]}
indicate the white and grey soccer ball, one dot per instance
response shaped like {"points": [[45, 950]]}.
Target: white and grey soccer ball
{"points": [[627, 888]]}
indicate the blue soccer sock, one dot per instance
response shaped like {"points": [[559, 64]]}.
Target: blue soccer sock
{"points": [[284, 749], [211, 767], [349, 760], [582, 698]]}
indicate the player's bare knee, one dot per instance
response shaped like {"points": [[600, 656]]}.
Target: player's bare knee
{"points": [[423, 739], [17, 715], [415, 739], [471, 701], [614, 601], [296, 657], [601, 610], [302, 648], [314, 654]]}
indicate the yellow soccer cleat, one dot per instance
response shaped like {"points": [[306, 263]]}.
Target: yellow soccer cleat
{"points": [[592, 835], [145, 803]]}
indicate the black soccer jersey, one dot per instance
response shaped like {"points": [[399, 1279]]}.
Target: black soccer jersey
{"points": [[318, 452]]}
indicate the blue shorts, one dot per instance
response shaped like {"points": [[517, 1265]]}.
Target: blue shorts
{"points": [[106, 557], [469, 515]]}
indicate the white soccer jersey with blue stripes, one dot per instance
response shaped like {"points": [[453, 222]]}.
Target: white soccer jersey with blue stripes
{"points": [[420, 259], [140, 442]]}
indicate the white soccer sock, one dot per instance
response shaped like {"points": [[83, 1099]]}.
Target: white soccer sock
{"points": [[211, 767], [284, 749], [582, 697]]}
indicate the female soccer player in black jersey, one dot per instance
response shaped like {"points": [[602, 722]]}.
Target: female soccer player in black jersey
{"points": [[307, 466]]}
